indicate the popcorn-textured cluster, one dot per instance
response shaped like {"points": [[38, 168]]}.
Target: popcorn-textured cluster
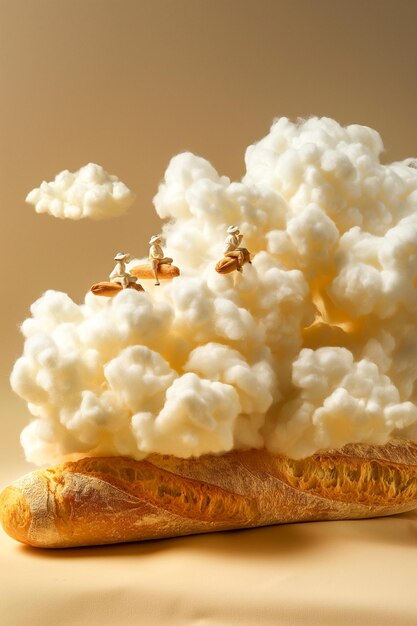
{"points": [[313, 346], [89, 192]]}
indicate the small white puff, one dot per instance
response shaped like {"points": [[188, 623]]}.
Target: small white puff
{"points": [[88, 192]]}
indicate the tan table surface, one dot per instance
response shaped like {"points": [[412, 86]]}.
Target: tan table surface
{"points": [[327, 573]]}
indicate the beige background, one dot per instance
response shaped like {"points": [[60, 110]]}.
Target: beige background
{"points": [[127, 84]]}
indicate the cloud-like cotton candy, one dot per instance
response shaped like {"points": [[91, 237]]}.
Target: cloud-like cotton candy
{"points": [[312, 346], [339, 401], [197, 418], [89, 192]]}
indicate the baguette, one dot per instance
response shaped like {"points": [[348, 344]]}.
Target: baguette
{"points": [[105, 500], [165, 271], [109, 290]]}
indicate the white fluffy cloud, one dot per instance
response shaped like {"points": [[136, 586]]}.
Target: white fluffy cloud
{"points": [[314, 345], [89, 192], [339, 401]]}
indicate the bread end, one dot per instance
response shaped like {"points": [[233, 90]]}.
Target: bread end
{"points": [[15, 514]]}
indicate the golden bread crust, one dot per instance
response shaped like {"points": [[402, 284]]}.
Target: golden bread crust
{"points": [[100, 500], [145, 270]]}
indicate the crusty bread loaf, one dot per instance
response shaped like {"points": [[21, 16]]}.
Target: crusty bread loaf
{"points": [[229, 264], [165, 271], [109, 290], [101, 500]]}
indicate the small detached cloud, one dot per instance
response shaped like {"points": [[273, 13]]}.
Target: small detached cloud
{"points": [[89, 192]]}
